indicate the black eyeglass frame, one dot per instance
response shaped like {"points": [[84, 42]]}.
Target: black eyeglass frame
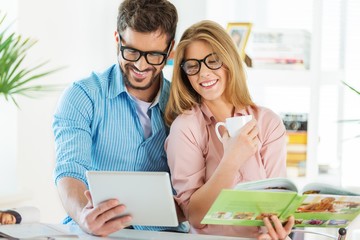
{"points": [[182, 65], [142, 53]]}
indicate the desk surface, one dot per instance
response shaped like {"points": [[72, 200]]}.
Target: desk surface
{"points": [[59, 231], [127, 234]]}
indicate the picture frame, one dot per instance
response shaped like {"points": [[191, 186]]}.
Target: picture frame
{"points": [[240, 32]]}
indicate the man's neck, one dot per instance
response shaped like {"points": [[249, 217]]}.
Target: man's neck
{"points": [[147, 95]]}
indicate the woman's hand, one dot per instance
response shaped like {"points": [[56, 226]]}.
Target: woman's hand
{"points": [[275, 230], [244, 145]]}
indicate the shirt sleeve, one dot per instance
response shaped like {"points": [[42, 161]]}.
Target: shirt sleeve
{"points": [[72, 131], [184, 149], [273, 150]]}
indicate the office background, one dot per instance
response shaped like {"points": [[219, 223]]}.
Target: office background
{"points": [[80, 36]]}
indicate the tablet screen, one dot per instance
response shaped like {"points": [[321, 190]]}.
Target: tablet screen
{"points": [[147, 195]]}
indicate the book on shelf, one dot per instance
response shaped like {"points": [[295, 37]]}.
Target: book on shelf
{"points": [[295, 157], [296, 142], [316, 205], [280, 48], [296, 148], [296, 137], [279, 63], [296, 152]]}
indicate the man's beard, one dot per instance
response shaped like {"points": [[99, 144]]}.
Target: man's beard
{"points": [[130, 85]]}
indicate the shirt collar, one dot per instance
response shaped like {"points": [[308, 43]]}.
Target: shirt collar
{"points": [[117, 86], [209, 116]]}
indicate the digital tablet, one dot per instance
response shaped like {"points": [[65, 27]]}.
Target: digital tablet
{"points": [[148, 196]]}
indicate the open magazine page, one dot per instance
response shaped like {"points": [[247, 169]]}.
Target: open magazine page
{"points": [[247, 207], [320, 210], [248, 203], [322, 188], [271, 184]]}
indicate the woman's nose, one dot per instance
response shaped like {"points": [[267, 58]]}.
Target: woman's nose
{"points": [[204, 70]]}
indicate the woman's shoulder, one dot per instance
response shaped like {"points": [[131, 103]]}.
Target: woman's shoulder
{"points": [[265, 114], [190, 115], [190, 119], [190, 126], [267, 119]]}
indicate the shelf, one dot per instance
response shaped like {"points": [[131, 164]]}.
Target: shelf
{"points": [[281, 78], [290, 78]]}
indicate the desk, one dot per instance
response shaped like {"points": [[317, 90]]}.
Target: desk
{"points": [[59, 231], [131, 234]]}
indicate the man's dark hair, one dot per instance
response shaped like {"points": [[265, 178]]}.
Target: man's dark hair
{"points": [[148, 16]]}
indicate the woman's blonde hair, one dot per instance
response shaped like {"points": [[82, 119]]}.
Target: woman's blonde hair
{"points": [[182, 95]]}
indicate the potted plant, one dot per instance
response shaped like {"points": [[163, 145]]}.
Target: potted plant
{"points": [[15, 78]]}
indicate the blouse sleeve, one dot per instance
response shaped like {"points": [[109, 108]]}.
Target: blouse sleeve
{"points": [[186, 158], [273, 151]]}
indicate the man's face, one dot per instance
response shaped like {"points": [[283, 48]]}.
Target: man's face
{"points": [[141, 74]]}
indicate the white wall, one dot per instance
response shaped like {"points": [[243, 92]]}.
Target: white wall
{"points": [[80, 36], [8, 115]]}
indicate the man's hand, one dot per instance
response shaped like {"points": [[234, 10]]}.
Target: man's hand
{"points": [[100, 220]]}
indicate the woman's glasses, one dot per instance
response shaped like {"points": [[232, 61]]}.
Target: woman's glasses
{"points": [[193, 66]]}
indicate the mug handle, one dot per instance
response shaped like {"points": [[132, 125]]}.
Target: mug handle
{"points": [[218, 124]]}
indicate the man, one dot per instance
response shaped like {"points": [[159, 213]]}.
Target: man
{"points": [[114, 120]]}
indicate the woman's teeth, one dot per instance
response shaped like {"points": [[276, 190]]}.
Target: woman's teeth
{"points": [[208, 84]]}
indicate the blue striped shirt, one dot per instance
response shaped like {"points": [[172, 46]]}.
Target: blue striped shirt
{"points": [[96, 127]]}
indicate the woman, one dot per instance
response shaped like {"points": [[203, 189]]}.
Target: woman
{"points": [[208, 86]]}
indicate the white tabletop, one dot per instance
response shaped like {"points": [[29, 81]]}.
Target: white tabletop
{"points": [[131, 234], [59, 231]]}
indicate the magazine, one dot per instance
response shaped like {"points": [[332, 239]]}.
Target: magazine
{"points": [[34, 231], [316, 205]]}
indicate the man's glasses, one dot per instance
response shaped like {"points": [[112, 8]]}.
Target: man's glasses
{"points": [[152, 58], [193, 66]]}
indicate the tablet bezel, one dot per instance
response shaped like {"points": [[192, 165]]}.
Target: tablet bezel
{"points": [[148, 196]]}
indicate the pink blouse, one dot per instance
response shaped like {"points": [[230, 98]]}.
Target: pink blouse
{"points": [[194, 152]]}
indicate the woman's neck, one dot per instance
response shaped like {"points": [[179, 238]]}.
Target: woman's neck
{"points": [[220, 109]]}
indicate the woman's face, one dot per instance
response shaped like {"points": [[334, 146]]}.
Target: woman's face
{"points": [[209, 84]]}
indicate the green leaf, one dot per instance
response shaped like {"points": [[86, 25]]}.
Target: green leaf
{"points": [[353, 89], [15, 78]]}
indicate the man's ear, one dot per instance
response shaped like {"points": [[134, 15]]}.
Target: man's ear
{"points": [[172, 45], [117, 37]]}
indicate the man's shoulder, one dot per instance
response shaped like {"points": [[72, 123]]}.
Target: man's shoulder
{"points": [[94, 86], [97, 79]]}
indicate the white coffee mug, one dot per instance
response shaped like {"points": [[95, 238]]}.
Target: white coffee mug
{"points": [[233, 125]]}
